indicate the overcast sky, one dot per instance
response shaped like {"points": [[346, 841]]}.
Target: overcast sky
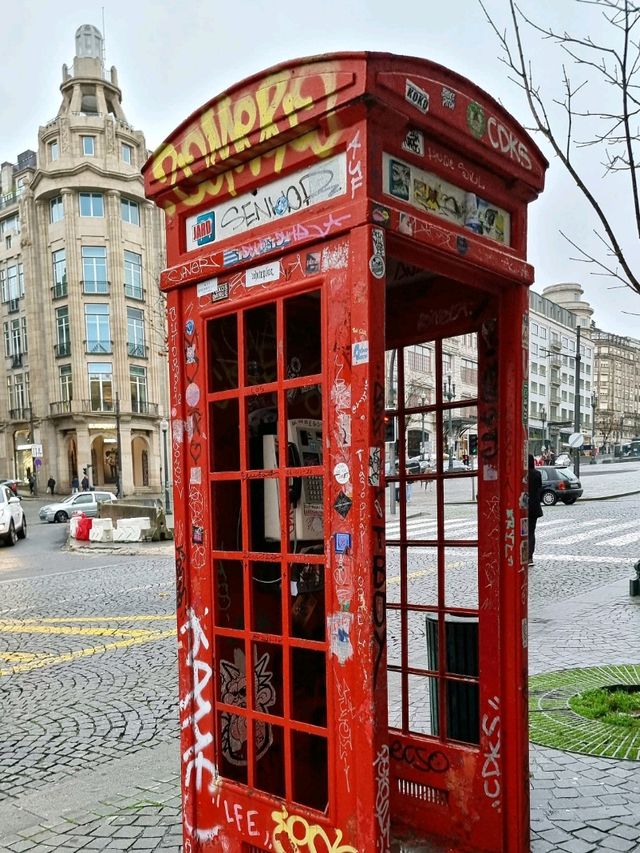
{"points": [[172, 57]]}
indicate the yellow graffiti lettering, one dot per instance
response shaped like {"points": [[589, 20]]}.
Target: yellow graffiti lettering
{"points": [[302, 835]]}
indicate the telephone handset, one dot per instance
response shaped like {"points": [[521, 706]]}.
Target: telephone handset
{"points": [[304, 448]]}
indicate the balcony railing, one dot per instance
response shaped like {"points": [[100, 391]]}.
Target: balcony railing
{"points": [[140, 407], [63, 349], [137, 350], [8, 199], [134, 292], [13, 306], [95, 286], [21, 414], [67, 407], [61, 407], [98, 347], [59, 291]]}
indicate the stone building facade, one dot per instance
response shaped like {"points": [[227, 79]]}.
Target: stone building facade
{"points": [[81, 250]]}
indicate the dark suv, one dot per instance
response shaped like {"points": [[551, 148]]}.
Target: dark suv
{"points": [[559, 484]]}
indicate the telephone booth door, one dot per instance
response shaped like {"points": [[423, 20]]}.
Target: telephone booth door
{"points": [[347, 339]]}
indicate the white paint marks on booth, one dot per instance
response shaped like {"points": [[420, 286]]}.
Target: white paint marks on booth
{"points": [[491, 767], [383, 814]]}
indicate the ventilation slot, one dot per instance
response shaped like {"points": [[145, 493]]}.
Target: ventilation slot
{"points": [[420, 791]]}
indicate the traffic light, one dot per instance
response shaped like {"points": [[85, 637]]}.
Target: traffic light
{"points": [[473, 445], [389, 429]]}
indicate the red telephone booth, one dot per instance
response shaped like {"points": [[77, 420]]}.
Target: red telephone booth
{"points": [[347, 241]]}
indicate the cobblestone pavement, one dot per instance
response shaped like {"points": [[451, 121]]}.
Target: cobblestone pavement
{"points": [[88, 719]]}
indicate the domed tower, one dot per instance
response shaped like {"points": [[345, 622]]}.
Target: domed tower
{"points": [[569, 295], [92, 248]]}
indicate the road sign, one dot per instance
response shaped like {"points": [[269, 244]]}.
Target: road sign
{"points": [[37, 461], [36, 451], [576, 439]]}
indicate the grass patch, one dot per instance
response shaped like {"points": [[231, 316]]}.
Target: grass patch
{"points": [[619, 708]]}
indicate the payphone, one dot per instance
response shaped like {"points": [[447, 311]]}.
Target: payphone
{"points": [[341, 230]]}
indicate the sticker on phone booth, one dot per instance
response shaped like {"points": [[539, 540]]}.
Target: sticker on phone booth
{"points": [[342, 543]]}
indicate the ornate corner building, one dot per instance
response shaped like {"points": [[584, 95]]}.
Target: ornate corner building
{"points": [[83, 367]]}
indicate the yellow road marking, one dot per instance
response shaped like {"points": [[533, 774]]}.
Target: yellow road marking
{"points": [[432, 571], [26, 661], [154, 618]]}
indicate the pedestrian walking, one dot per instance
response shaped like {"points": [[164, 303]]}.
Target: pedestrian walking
{"points": [[85, 483], [32, 484], [51, 484], [75, 485], [535, 510]]}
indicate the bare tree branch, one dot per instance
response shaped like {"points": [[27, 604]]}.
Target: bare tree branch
{"points": [[609, 69]]}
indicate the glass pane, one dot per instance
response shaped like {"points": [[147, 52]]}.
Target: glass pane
{"points": [[418, 649], [459, 426], [463, 711], [304, 407], [222, 351], [394, 699], [232, 736], [303, 335], [262, 427], [224, 435], [461, 577], [309, 694], [419, 378], [227, 516], [269, 751], [228, 594], [423, 705], [307, 601], [391, 379], [461, 508], [232, 679], [394, 637], [393, 574], [422, 576], [261, 345], [460, 367], [266, 598], [267, 678], [310, 770], [306, 513]]}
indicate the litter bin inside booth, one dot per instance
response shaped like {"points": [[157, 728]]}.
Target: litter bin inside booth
{"points": [[461, 658]]}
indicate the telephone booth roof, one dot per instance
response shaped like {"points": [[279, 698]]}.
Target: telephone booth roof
{"points": [[288, 100]]}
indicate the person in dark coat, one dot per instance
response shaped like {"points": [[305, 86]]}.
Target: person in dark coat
{"points": [[535, 510], [85, 483], [51, 484]]}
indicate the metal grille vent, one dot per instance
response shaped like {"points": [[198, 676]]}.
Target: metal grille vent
{"points": [[420, 791]]}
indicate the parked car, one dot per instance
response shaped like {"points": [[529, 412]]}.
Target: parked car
{"points": [[12, 484], [86, 502], [13, 524], [559, 484], [563, 460]]}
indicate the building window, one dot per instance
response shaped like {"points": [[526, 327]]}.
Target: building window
{"points": [[135, 333], [4, 290], [100, 387], [543, 333], [469, 372], [15, 339], [66, 383], [54, 151], [18, 388], [94, 269], [133, 275], [88, 145], [91, 204], [63, 340], [419, 359], [138, 379], [98, 328], [13, 286], [56, 209], [127, 153], [534, 328], [130, 211], [59, 262]]}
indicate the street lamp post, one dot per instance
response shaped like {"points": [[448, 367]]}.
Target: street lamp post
{"points": [[424, 399], [164, 426], [543, 418], [594, 406], [449, 392]]}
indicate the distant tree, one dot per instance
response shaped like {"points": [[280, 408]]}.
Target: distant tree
{"points": [[597, 107], [605, 423]]}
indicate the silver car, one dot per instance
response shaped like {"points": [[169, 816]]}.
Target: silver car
{"points": [[13, 524], [86, 502]]}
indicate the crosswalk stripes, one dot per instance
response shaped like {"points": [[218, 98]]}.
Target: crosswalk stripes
{"points": [[597, 533]]}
